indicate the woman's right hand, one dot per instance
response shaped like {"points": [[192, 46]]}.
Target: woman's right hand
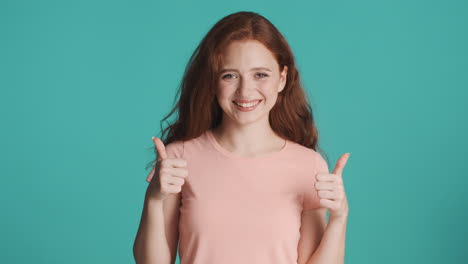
{"points": [[170, 174]]}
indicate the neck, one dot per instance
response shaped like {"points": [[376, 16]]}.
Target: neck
{"points": [[248, 140]]}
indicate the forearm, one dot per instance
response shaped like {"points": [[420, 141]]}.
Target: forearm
{"points": [[331, 249], [151, 244]]}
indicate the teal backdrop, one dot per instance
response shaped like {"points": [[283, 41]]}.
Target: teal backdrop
{"points": [[84, 85]]}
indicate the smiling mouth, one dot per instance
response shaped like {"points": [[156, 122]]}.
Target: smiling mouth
{"points": [[247, 105]]}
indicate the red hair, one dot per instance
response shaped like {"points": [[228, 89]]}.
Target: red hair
{"points": [[198, 110]]}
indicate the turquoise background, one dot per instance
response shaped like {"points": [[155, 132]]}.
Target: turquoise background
{"points": [[84, 85]]}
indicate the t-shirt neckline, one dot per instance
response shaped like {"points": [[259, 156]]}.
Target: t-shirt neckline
{"points": [[232, 155]]}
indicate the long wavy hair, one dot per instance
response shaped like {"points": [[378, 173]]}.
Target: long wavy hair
{"points": [[195, 101]]}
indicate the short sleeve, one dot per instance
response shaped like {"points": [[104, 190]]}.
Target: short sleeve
{"points": [[174, 150], [311, 199]]}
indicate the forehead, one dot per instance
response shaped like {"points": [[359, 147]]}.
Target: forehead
{"points": [[248, 54]]}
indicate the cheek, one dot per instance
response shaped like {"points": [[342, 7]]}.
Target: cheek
{"points": [[223, 95], [269, 91], [222, 92]]}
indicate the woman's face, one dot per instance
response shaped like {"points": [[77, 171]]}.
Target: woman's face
{"points": [[249, 74]]}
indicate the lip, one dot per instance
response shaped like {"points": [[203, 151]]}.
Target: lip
{"points": [[246, 109], [246, 101]]}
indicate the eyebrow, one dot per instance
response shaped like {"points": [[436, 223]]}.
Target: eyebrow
{"points": [[253, 69]]}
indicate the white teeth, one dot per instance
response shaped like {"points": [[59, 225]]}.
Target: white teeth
{"points": [[246, 104]]}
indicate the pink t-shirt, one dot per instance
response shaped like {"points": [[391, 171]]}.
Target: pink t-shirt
{"points": [[243, 209]]}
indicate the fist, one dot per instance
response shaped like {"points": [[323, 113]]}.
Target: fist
{"points": [[169, 174], [331, 191]]}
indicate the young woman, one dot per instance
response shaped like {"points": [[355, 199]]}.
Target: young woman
{"points": [[238, 178]]}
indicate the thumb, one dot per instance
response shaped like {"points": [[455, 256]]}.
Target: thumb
{"points": [[340, 164], [160, 148]]}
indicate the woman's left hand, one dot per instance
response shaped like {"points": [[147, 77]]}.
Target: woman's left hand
{"points": [[331, 191]]}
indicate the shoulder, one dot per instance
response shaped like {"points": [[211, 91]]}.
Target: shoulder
{"points": [[311, 158], [183, 148], [302, 151]]}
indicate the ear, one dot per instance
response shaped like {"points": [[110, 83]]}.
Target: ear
{"points": [[283, 78]]}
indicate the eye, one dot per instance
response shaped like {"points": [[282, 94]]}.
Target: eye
{"points": [[264, 74], [226, 75]]}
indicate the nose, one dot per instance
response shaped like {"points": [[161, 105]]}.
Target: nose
{"points": [[243, 88]]}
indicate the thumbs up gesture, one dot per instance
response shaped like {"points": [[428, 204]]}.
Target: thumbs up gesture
{"points": [[331, 191], [167, 176]]}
